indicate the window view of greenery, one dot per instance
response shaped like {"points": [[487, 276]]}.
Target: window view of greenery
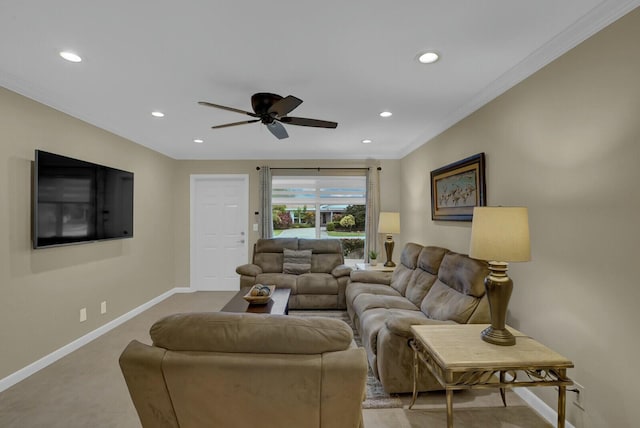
{"points": [[323, 208]]}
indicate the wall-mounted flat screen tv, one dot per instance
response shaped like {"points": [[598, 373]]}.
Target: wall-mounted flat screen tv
{"points": [[75, 201]]}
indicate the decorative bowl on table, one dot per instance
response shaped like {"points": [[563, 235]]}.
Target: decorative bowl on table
{"points": [[259, 294]]}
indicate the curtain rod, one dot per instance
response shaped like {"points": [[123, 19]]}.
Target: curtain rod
{"points": [[319, 168]]}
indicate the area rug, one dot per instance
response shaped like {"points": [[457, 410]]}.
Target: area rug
{"points": [[377, 398]]}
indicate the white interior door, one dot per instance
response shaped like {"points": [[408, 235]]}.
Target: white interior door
{"points": [[219, 218]]}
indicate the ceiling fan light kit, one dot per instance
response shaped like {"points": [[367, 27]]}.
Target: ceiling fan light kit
{"points": [[272, 110]]}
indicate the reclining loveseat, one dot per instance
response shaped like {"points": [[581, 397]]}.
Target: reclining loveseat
{"points": [[313, 269]]}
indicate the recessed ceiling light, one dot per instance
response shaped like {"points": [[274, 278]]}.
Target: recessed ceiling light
{"points": [[428, 57], [198, 140], [157, 114], [70, 56], [367, 141], [386, 114]]}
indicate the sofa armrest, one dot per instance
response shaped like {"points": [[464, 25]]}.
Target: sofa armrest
{"points": [[249, 270], [374, 277], [402, 325], [341, 270]]}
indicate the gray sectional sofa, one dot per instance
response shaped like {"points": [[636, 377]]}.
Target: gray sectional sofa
{"points": [[316, 283], [431, 285]]}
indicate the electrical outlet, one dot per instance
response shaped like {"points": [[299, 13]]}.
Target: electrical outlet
{"points": [[103, 307], [578, 401], [83, 314]]}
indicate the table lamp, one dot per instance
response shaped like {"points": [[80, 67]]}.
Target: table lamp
{"points": [[499, 235], [389, 223]]}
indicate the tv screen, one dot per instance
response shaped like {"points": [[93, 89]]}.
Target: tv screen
{"points": [[76, 201]]}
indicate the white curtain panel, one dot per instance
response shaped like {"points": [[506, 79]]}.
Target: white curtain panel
{"points": [[266, 220], [373, 212]]}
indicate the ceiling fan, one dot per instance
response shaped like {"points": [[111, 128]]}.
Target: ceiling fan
{"points": [[272, 110]]}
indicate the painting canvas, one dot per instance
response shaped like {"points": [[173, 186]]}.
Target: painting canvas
{"points": [[457, 188]]}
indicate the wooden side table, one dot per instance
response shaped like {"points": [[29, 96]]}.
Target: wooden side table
{"points": [[459, 359]]}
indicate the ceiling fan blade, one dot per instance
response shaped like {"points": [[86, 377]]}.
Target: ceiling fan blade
{"points": [[244, 122], [278, 130], [285, 105], [302, 121], [204, 103]]}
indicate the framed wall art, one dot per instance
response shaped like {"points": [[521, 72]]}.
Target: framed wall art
{"points": [[457, 188]]}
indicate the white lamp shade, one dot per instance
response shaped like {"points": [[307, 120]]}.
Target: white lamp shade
{"points": [[389, 223], [500, 234]]}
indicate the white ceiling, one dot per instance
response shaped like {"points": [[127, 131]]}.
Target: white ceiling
{"points": [[348, 61]]}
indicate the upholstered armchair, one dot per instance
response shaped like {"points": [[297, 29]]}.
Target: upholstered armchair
{"points": [[243, 370]]}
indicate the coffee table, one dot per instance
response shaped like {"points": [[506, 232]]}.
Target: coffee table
{"points": [[278, 304], [459, 359]]}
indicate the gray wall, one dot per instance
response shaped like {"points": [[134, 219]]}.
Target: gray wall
{"points": [[42, 291], [566, 143]]}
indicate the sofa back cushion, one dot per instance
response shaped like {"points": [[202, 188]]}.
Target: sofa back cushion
{"points": [[425, 273], [446, 304], [430, 259], [404, 270], [463, 274], [250, 333], [419, 285], [457, 291], [327, 253], [268, 253]]}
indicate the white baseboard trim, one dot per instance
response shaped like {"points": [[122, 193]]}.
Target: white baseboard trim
{"points": [[540, 406], [43, 362]]}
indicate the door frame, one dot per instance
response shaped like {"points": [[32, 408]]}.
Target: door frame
{"points": [[193, 178]]}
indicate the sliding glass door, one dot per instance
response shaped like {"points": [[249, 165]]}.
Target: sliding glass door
{"points": [[321, 207]]}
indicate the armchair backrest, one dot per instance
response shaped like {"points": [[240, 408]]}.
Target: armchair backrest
{"points": [[228, 369]]}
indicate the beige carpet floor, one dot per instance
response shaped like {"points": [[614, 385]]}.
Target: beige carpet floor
{"points": [[86, 388]]}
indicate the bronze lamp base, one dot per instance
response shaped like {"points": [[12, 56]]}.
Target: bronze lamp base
{"points": [[498, 286], [388, 248]]}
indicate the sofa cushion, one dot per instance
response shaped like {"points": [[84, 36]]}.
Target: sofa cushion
{"points": [[365, 302], [430, 259], [400, 278], [357, 288], [408, 263], [410, 254], [321, 246], [419, 285], [275, 245], [316, 283], [444, 303], [269, 262], [250, 333], [296, 262], [463, 274]]}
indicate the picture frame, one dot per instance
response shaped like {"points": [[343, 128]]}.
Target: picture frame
{"points": [[457, 188]]}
